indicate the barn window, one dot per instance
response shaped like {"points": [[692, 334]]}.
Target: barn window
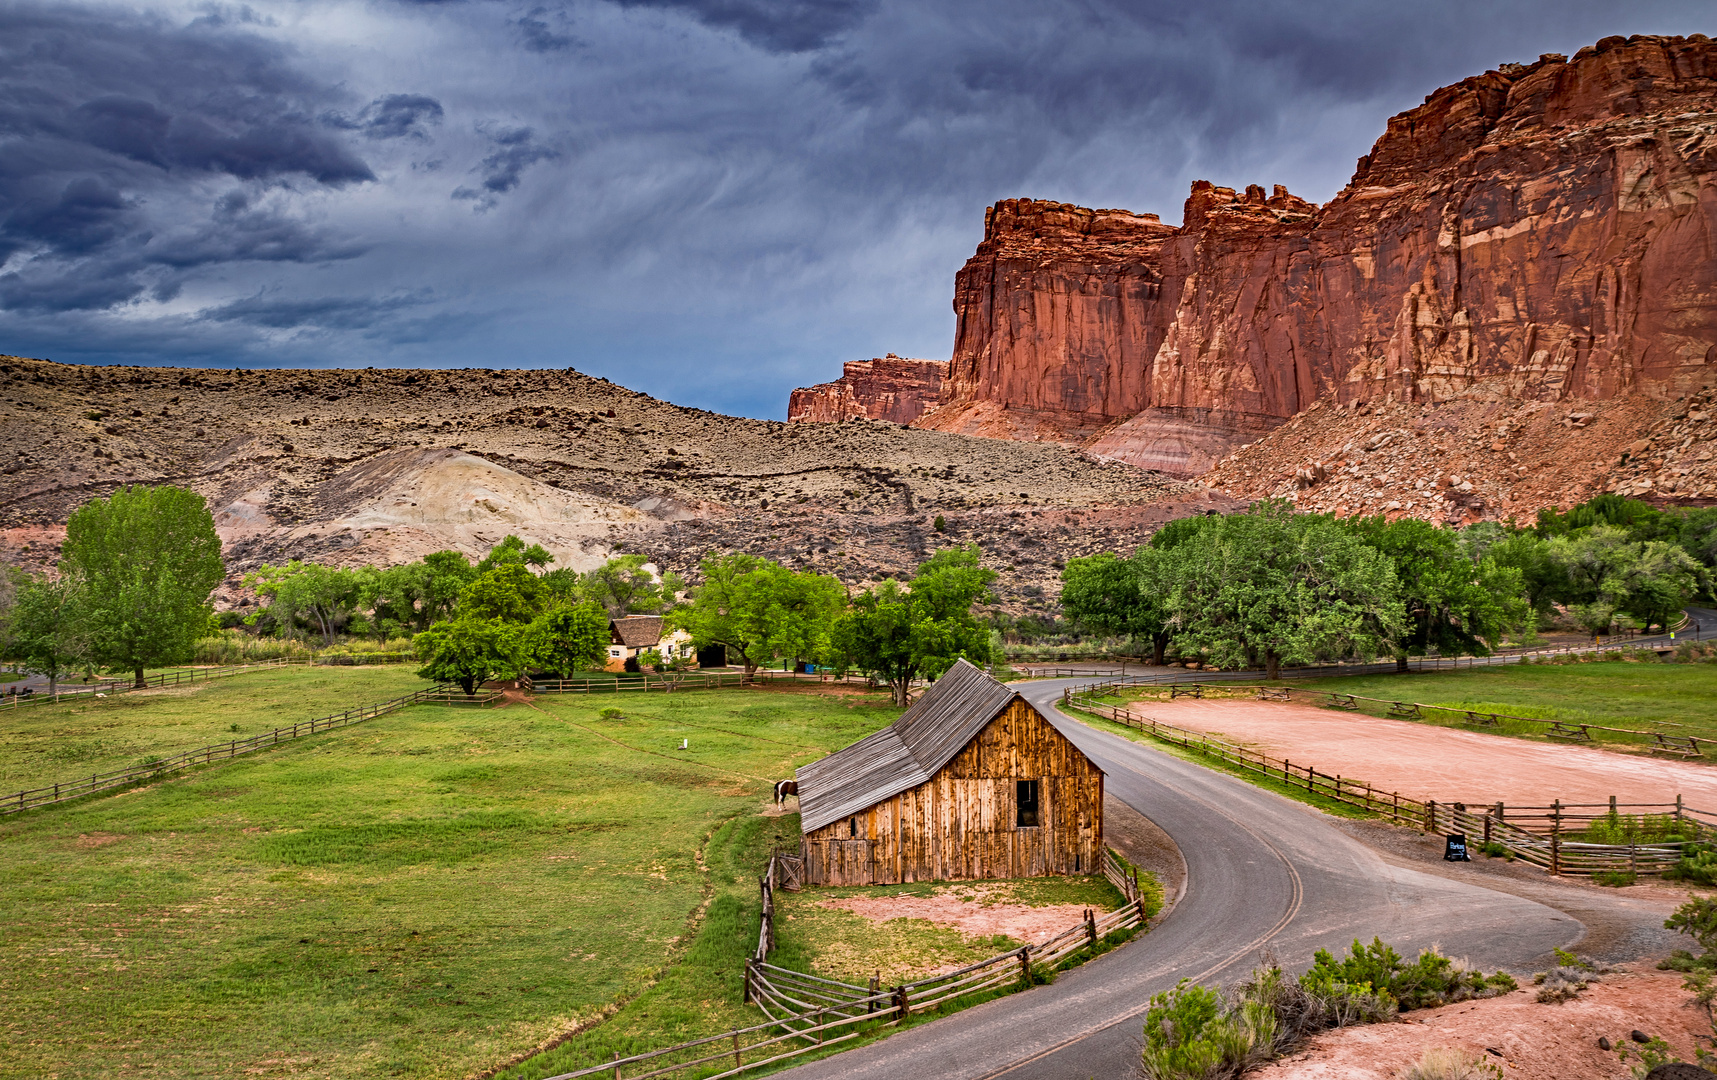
{"points": [[1025, 803], [852, 826]]}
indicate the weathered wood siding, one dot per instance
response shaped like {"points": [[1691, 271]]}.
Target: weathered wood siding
{"points": [[961, 823]]}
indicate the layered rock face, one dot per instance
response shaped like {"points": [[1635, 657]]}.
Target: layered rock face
{"points": [[1546, 230], [890, 388]]}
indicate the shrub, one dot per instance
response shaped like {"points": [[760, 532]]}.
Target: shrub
{"points": [[1443, 1064], [1614, 879], [1192, 1034], [1698, 866], [1496, 849], [612, 713], [1616, 828], [1431, 980]]}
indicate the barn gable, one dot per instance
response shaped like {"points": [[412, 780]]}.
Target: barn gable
{"points": [[975, 783], [907, 752]]}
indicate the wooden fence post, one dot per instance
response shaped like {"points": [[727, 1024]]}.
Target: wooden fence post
{"points": [[1678, 807], [902, 1004], [616, 1068], [1556, 836], [1431, 816], [736, 1062], [1025, 965], [1090, 928], [745, 997]]}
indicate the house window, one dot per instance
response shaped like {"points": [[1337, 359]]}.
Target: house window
{"points": [[1025, 804]]}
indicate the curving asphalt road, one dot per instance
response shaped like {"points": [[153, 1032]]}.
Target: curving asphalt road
{"points": [[1262, 873]]}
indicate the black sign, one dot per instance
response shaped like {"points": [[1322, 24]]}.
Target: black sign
{"points": [[1456, 848]]}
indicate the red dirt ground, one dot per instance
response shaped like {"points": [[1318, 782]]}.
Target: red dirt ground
{"points": [[1428, 762], [1537, 1042], [974, 917]]}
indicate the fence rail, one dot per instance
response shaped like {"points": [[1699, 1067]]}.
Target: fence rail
{"points": [[1550, 837], [808, 1012], [1576, 731], [207, 755]]}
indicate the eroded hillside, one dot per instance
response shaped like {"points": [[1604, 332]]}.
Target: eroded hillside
{"points": [[384, 465]]}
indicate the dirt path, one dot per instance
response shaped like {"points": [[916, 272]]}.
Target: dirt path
{"points": [[1447, 764]]}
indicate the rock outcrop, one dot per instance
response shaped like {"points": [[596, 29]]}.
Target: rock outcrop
{"points": [[1545, 231], [890, 388]]}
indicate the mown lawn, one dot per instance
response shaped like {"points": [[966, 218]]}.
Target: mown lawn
{"points": [[42, 744], [1678, 699], [433, 893]]}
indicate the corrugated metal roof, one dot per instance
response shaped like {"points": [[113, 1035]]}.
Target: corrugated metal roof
{"points": [[906, 753], [638, 631]]}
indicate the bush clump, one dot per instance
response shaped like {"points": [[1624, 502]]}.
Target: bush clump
{"points": [[1195, 1033]]}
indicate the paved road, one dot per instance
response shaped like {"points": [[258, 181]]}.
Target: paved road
{"points": [[1262, 872]]}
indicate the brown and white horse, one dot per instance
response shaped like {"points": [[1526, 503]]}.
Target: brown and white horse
{"points": [[784, 788]]}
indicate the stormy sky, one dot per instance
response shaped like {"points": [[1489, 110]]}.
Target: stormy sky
{"points": [[712, 201]]}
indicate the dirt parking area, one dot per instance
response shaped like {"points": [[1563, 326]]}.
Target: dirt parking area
{"points": [[1424, 761]]}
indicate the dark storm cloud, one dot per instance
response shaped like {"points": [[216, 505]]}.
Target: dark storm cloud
{"points": [[136, 149], [787, 26], [515, 150], [713, 200], [323, 313], [395, 116]]}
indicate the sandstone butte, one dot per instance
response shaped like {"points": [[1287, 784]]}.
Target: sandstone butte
{"points": [[890, 388], [1540, 233]]}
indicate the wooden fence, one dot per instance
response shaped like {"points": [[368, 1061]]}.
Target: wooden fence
{"points": [[1546, 836], [809, 1013], [208, 755], [1565, 730], [679, 680]]}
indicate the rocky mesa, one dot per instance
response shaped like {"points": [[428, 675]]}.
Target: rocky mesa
{"points": [[1539, 234], [891, 388]]}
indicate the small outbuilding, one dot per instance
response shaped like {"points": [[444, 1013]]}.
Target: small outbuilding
{"points": [[971, 782]]}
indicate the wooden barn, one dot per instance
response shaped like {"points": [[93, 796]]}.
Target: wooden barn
{"points": [[970, 782]]}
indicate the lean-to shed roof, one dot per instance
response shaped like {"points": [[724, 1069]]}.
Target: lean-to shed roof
{"points": [[907, 752]]}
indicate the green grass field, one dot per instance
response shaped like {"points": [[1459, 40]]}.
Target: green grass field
{"points": [[430, 894], [41, 744], [1678, 699]]}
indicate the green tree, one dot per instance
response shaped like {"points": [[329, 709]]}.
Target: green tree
{"points": [[1650, 580], [470, 651], [1117, 596], [508, 592], [144, 562], [399, 597], [44, 630], [1453, 602], [448, 574], [760, 609], [569, 636], [324, 595], [1278, 587], [1656, 582], [512, 551], [1543, 580], [900, 634], [624, 586]]}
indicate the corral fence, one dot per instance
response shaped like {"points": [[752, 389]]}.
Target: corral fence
{"points": [[1546, 836], [208, 755], [808, 1013], [1565, 730]]}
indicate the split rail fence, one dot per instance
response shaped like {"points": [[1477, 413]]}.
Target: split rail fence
{"points": [[808, 1013], [1565, 730], [208, 755], [1552, 837]]}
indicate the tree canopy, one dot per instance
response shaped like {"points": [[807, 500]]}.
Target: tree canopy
{"points": [[1278, 587], [143, 562], [900, 634], [759, 609]]}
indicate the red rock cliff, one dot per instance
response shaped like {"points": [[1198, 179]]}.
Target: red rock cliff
{"points": [[888, 388], [1548, 230]]}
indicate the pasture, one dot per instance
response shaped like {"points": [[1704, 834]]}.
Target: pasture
{"points": [[1678, 699], [432, 893], [45, 743]]}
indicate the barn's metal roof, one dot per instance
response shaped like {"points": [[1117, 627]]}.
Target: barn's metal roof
{"points": [[907, 752]]}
